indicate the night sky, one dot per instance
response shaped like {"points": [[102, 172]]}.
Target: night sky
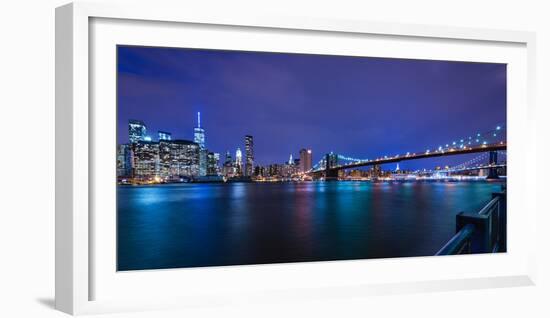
{"points": [[357, 106]]}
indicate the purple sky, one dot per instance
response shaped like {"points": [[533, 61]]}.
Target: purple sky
{"points": [[357, 106]]}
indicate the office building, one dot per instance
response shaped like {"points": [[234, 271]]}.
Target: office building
{"points": [[163, 135], [212, 164], [217, 160], [124, 161], [200, 139], [146, 160], [137, 131], [238, 162], [178, 158], [249, 149], [228, 169], [305, 160]]}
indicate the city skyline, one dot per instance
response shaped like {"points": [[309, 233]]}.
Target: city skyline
{"points": [[197, 80], [170, 160]]}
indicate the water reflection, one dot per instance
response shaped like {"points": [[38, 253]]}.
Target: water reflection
{"points": [[186, 225]]}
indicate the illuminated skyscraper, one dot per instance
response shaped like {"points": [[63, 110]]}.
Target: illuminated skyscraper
{"points": [[199, 138], [163, 135], [146, 160], [137, 131], [238, 162], [249, 148], [199, 135], [178, 158], [212, 164], [305, 160], [228, 168], [124, 160], [217, 160]]}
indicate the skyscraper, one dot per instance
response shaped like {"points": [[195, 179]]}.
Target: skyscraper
{"points": [[228, 158], [305, 160], [199, 138], [212, 164], [249, 148], [137, 131], [163, 135], [217, 160], [228, 168], [146, 160], [178, 158], [239, 162], [124, 160], [199, 135]]}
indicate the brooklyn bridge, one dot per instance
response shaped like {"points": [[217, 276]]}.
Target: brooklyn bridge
{"points": [[492, 142]]}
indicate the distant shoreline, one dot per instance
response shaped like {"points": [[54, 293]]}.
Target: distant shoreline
{"points": [[501, 180]]}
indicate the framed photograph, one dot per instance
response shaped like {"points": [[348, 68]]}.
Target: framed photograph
{"points": [[201, 158]]}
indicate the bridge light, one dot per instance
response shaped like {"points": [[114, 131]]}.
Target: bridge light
{"points": [[447, 145], [454, 142], [494, 135], [478, 134], [477, 140], [498, 127], [461, 140], [428, 151]]}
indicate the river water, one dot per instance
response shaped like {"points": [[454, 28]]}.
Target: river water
{"points": [[188, 225]]}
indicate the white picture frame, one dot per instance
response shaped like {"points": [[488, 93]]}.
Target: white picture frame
{"points": [[75, 259]]}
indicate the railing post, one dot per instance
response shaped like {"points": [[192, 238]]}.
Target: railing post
{"points": [[502, 220], [481, 238]]}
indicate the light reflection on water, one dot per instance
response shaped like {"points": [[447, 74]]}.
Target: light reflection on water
{"points": [[186, 225]]}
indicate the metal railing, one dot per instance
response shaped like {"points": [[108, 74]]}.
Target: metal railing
{"points": [[482, 232]]}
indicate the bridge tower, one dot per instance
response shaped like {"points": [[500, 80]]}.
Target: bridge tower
{"points": [[330, 174], [493, 173]]}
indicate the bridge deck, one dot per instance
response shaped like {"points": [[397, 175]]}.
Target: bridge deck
{"points": [[415, 156]]}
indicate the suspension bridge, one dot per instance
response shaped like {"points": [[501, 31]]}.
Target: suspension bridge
{"points": [[478, 163], [490, 143]]}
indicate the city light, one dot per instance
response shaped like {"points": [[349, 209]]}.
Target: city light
{"points": [[150, 170]]}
